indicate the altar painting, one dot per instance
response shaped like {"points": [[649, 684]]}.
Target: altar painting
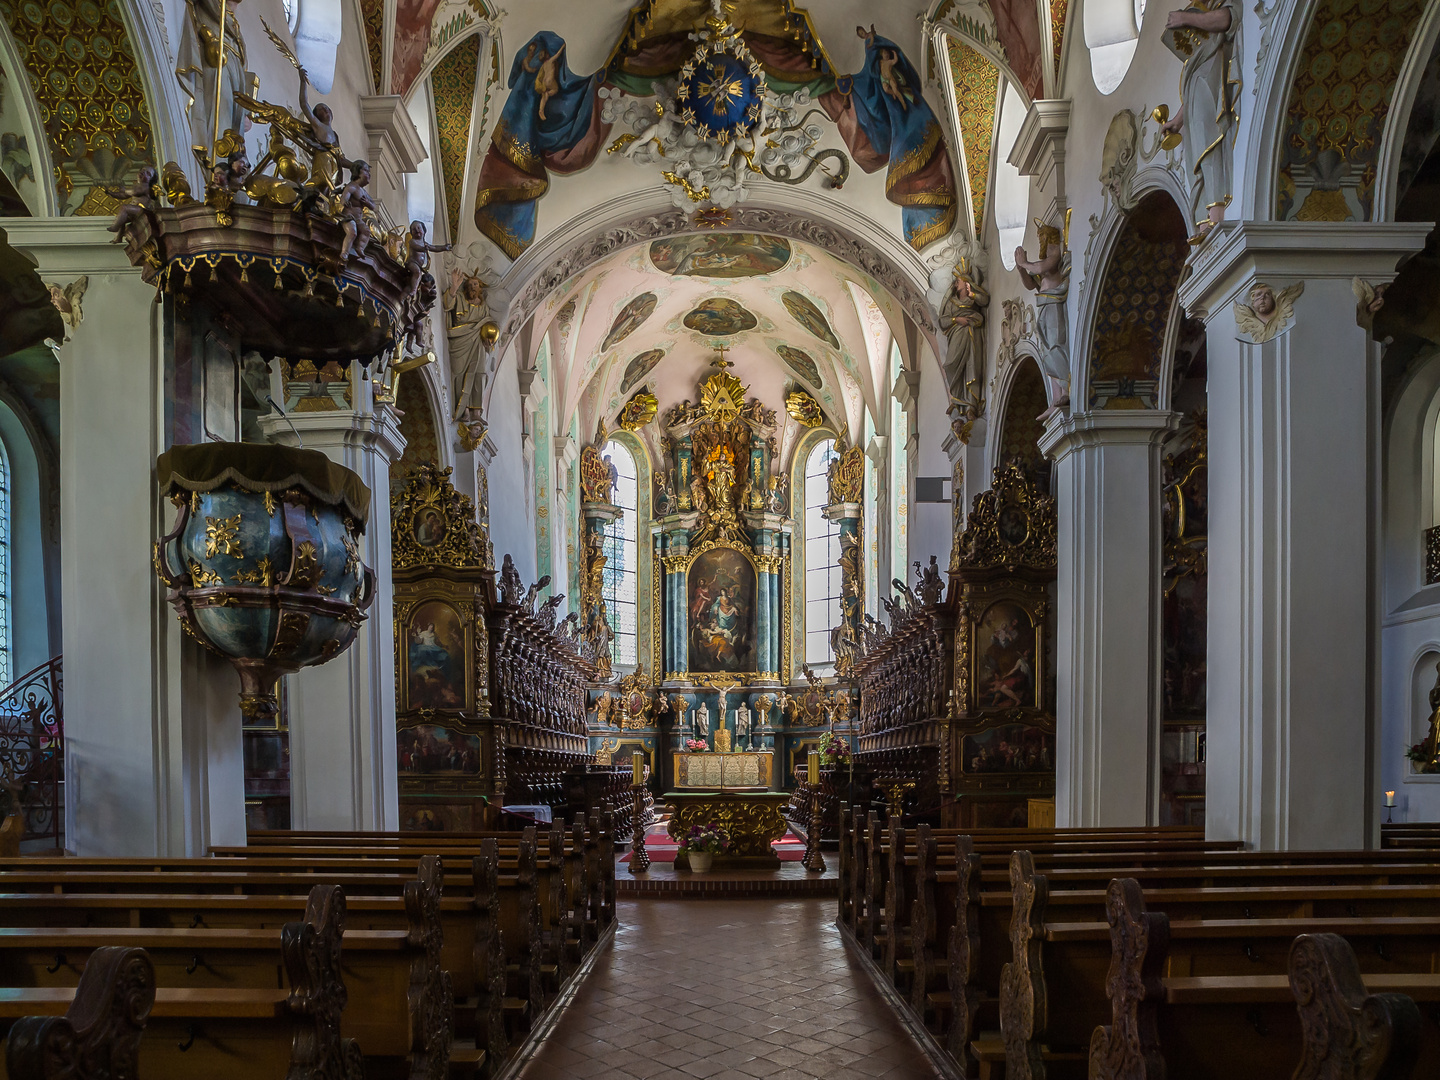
{"points": [[432, 750], [1009, 748], [722, 612], [1005, 658], [435, 658]]}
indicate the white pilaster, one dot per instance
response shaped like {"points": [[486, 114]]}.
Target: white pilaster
{"points": [[152, 723], [395, 151], [342, 714], [1107, 613], [1293, 478]]}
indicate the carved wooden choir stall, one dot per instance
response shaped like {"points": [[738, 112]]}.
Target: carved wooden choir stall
{"points": [[490, 690], [956, 701]]}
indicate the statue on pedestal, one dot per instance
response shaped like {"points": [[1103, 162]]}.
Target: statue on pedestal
{"points": [[1202, 36], [1049, 278], [702, 721]]}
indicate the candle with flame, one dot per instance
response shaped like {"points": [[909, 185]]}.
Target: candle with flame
{"points": [[1390, 798]]}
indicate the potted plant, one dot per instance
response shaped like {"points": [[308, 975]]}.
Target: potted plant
{"points": [[702, 844], [696, 746]]}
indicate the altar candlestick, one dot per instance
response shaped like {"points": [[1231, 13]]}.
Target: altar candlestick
{"points": [[1389, 798], [1389, 806], [639, 763], [814, 767]]}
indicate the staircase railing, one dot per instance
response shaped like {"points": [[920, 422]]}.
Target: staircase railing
{"points": [[32, 749]]}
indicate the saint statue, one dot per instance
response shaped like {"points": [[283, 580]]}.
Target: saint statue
{"points": [[1049, 278], [962, 317], [196, 62], [1203, 37], [702, 721], [742, 723], [471, 335]]}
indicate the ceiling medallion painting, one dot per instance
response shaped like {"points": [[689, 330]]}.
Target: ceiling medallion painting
{"points": [[628, 321], [804, 311], [720, 255], [800, 364], [640, 367], [720, 316]]}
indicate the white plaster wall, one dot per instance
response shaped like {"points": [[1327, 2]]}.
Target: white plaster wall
{"points": [[930, 528], [512, 510], [32, 635]]}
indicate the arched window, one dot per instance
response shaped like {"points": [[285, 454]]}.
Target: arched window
{"points": [[1012, 191], [822, 557], [7, 667], [622, 556], [1112, 30], [316, 27]]}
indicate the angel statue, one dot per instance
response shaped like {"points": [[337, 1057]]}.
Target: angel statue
{"points": [[962, 317], [1049, 278], [1202, 36], [66, 299], [1369, 299], [1268, 312]]}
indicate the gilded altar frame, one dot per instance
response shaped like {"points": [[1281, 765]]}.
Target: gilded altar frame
{"points": [[762, 564]]}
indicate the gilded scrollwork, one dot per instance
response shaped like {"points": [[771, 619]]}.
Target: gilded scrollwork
{"points": [[1011, 525], [433, 524]]}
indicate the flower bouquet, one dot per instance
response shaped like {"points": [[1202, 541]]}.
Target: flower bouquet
{"points": [[834, 749], [696, 746], [1419, 758], [703, 843]]}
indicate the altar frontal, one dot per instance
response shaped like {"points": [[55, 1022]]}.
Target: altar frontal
{"points": [[754, 819]]}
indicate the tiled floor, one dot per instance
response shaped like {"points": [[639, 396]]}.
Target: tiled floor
{"points": [[728, 990]]}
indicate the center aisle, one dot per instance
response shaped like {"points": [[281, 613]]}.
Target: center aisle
{"points": [[728, 990]]}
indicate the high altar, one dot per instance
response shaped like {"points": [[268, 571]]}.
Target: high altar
{"points": [[721, 600]]}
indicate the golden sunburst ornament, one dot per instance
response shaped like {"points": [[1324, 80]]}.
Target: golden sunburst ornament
{"points": [[712, 217], [722, 396]]}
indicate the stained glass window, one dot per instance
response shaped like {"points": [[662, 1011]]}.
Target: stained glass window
{"points": [[621, 556]]}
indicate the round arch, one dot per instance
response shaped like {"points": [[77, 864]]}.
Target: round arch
{"points": [[999, 410], [1155, 191], [804, 447]]}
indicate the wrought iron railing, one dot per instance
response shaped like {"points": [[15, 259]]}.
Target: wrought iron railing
{"points": [[32, 749]]}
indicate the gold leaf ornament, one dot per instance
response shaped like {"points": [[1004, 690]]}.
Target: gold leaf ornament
{"points": [[804, 408], [639, 411]]}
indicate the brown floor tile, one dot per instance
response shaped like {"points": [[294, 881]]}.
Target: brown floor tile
{"points": [[727, 990]]}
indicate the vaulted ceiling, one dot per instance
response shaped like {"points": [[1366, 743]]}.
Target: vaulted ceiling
{"points": [[788, 315]]}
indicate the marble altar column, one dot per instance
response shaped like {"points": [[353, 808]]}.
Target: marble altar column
{"points": [[765, 531], [1107, 614], [674, 540], [1293, 533], [153, 759], [342, 714]]}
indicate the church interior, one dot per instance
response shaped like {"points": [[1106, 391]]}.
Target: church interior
{"points": [[681, 545]]}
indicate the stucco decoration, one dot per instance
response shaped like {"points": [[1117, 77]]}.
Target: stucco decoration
{"points": [[1338, 104], [976, 83], [1118, 159], [452, 86], [1269, 313], [839, 243], [82, 69], [1135, 302]]}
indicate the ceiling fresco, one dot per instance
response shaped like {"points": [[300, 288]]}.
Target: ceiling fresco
{"points": [[808, 325], [720, 255]]}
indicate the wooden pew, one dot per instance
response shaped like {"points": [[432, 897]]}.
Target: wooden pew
{"points": [[491, 941], [117, 1019], [1324, 1014], [945, 938]]}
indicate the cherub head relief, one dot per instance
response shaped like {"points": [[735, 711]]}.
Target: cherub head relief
{"points": [[1268, 312]]}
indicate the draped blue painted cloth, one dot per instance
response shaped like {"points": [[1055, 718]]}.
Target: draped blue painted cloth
{"points": [[904, 131], [514, 174]]}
